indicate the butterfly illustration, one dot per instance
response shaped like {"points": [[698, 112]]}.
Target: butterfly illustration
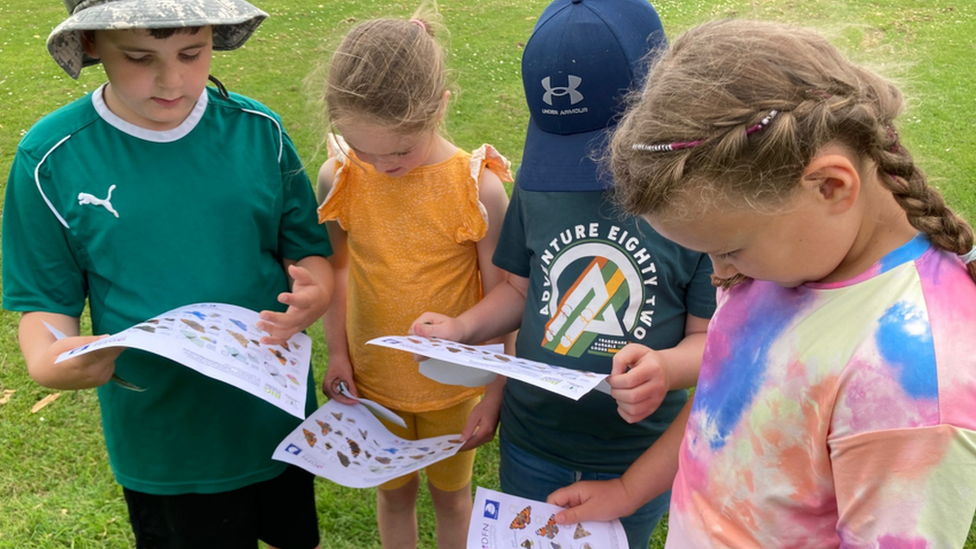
{"points": [[149, 329], [391, 450], [326, 428], [281, 358], [199, 315], [327, 445], [522, 519], [196, 326], [383, 460], [353, 447], [153, 321], [550, 529], [309, 437], [239, 324], [418, 457], [363, 433], [343, 459], [527, 543], [337, 415], [285, 346], [555, 545], [580, 532], [240, 339], [368, 455]]}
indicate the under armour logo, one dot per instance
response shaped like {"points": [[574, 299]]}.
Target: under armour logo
{"points": [[86, 198], [574, 96]]}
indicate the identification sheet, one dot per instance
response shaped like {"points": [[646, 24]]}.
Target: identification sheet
{"points": [[347, 445], [222, 341], [501, 521], [474, 362]]}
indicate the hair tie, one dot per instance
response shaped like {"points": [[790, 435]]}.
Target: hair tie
{"points": [[420, 24], [664, 147], [968, 258]]}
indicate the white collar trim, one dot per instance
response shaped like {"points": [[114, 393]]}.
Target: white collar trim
{"points": [[165, 136]]}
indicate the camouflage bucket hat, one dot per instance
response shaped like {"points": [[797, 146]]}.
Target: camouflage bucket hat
{"points": [[233, 21]]}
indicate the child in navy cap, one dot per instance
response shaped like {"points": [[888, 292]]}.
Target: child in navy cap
{"points": [[584, 279]]}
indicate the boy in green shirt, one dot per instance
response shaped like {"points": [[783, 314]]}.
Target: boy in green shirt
{"points": [[153, 192]]}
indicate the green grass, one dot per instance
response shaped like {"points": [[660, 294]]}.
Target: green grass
{"points": [[56, 489]]}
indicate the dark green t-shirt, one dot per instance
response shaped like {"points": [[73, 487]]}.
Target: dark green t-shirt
{"points": [[598, 280], [140, 222]]}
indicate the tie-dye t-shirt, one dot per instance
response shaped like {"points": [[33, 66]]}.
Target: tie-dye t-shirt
{"points": [[836, 415]]}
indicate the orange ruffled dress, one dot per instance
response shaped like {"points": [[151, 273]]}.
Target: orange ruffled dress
{"points": [[412, 248]]}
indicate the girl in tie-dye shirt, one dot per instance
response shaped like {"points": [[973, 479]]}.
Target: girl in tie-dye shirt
{"points": [[836, 405]]}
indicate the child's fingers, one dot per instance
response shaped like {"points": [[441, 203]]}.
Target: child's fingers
{"points": [[628, 357]]}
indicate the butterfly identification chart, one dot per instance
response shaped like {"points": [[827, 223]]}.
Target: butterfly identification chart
{"points": [[502, 521], [222, 341], [473, 362], [347, 445]]}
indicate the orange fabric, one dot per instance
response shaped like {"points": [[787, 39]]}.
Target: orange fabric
{"points": [[412, 248]]}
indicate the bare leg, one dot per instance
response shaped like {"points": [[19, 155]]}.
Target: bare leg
{"points": [[396, 513], [453, 510]]}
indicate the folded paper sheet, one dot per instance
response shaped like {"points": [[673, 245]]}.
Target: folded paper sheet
{"points": [[347, 445], [471, 364], [222, 341], [502, 521]]}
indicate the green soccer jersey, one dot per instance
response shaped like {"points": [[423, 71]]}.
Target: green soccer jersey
{"points": [[597, 281], [140, 222]]}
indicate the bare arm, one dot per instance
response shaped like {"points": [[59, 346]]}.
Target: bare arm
{"points": [[492, 195], [499, 313], [41, 349], [650, 476], [334, 321]]}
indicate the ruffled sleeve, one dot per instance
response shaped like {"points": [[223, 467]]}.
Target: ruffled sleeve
{"points": [[484, 157], [334, 205]]}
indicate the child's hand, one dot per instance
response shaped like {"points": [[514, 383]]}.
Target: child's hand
{"points": [[307, 302], [482, 423], [85, 371], [639, 381], [439, 326], [592, 500], [339, 371]]}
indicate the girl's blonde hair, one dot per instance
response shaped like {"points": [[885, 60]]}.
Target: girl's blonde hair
{"points": [[709, 93], [390, 72]]}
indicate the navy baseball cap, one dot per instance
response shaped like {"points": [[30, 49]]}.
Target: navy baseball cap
{"points": [[582, 58]]}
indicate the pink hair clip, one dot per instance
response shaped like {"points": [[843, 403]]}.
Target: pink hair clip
{"points": [[420, 24], [663, 147]]}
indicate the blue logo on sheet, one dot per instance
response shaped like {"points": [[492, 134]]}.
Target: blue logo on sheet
{"points": [[491, 509]]}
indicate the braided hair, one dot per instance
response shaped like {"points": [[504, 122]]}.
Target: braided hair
{"points": [[720, 81]]}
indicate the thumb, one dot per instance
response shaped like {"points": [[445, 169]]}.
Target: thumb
{"points": [[299, 274], [573, 514]]}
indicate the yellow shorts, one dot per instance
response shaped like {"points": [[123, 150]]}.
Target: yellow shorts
{"points": [[448, 475]]}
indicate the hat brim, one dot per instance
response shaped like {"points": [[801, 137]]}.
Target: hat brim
{"points": [[563, 163], [233, 22]]}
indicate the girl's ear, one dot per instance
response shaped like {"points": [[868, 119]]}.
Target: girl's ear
{"points": [[88, 43], [835, 180]]}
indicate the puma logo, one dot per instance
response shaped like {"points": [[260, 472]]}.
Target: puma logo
{"points": [[86, 198]]}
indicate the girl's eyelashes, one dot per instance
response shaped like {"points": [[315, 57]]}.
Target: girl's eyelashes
{"points": [[190, 56]]}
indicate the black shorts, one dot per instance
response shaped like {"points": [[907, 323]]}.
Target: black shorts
{"points": [[279, 512]]}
